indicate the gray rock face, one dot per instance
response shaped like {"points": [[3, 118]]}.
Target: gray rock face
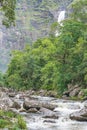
{"points": [[33, 21], [80, 115]]}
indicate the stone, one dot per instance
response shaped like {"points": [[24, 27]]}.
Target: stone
{"points": [[74, 92], [49, 121], [32, 110], [16, 105], [31, 104], [79, 115], [11, 95], [5, 101], [37, 104], [48, 113], [80, 94]]}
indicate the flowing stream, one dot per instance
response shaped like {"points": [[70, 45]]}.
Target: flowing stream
{"points": [[64, 109]]}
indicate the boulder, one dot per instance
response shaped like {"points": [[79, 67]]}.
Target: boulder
{"points": [[31, 104], [79, 115], [48, 113], [37, 104], [74, 92], [49, 106]]}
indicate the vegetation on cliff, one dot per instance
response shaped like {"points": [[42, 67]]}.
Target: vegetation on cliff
{"points": [[8, 8]]}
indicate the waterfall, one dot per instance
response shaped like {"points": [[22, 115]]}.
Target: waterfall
{"points": [[61, 17]]}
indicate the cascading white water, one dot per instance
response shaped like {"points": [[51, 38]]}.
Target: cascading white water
{"points": [[61, 17], [64, 109]]}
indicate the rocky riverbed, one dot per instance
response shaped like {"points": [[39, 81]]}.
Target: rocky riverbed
{"points": [[42, 113]]}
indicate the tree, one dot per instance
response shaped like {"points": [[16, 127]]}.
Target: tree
{"points": [[79, 8], [8, 8]]}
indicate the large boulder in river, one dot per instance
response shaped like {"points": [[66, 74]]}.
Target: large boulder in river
{"points": [[31, 104], [37, 104], [79, 115]]}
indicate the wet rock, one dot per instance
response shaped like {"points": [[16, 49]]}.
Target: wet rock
{"points": [[79, 115], [49, 106], [11, 94], [31, 104], [32, 110], [37, 104], [48, 113], [49, 121], [16, 105]]}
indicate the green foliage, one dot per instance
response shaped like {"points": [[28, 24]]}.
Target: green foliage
{"points": [[79, 10], [85, 92], [21, 123], [1, 79], [11, 121], [8, 8]]}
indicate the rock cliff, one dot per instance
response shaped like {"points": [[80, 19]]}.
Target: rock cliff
{"points": [[33, 20]]}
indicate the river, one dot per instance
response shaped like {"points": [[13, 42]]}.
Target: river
{"points": [[35, 121]]}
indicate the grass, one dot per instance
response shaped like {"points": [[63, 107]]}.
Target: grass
{"points": [[11, 121]]}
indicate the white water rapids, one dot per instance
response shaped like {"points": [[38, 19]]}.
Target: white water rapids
{"points": [[64, 109]]}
